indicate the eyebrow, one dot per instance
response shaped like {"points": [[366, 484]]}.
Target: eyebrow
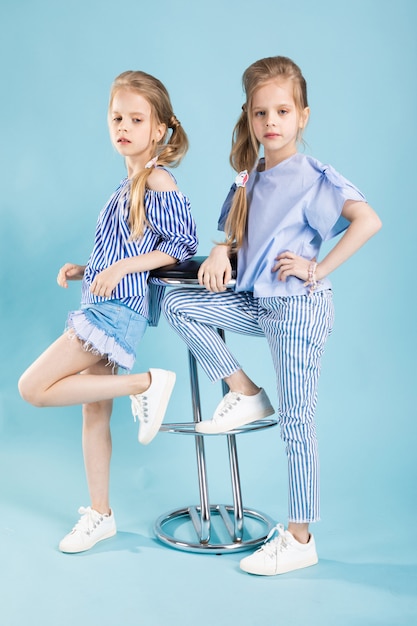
{"points": [[137, 113], [275, 106]]}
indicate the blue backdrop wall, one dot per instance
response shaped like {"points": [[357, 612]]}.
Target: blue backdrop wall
{"points": [[57, 167]]}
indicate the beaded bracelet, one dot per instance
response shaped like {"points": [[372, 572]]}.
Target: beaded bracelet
{"points": [[312, 280]]}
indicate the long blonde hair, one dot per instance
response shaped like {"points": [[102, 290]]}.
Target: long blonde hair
{"points": [[170, 149], [245, 146]]}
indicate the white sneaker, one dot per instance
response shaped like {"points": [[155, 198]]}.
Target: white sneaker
{"points": [[280, 555], [150, 406], [236, 410], [90, 528]]}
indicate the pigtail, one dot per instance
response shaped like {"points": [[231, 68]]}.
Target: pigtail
{"points": [[243, 156], [137, 211], [172, 152], [167, 154]]}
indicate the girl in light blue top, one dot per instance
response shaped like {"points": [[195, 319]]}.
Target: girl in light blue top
{"points": [[146, 224], [276, 216]]}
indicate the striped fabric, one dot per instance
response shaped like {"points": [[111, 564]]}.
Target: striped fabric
{"points": [[296, 329], [171, 230]]}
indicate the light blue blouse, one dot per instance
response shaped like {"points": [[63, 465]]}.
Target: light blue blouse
{"points": [[171, 229], [294, 206]]}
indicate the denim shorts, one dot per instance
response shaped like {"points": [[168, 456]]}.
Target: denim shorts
{"points": [[109, 329]]}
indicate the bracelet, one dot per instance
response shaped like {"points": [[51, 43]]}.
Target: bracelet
{"points": [[312, 280]]}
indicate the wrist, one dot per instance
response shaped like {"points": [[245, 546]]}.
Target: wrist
{"points": [[320, 274], [122, 267], [221, 249]]}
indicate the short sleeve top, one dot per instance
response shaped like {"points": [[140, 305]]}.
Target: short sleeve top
{"points": [[294, 206], [170, 228]]}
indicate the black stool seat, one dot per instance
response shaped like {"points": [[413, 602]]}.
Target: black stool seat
{"points": [[185, 273], [209, 527]]}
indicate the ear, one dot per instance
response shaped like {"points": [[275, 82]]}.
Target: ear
{"points": [[304, 118], [160, 131]]}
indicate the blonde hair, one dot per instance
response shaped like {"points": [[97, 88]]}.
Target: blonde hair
{"points": [[245, 146], [169, 150]]}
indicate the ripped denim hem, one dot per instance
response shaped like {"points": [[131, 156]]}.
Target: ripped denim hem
{"points": [[99, 342]]}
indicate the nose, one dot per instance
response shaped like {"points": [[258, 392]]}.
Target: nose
{"points": [[270, 121]]}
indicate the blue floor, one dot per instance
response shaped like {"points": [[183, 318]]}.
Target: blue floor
{"points": [[367, 574]]}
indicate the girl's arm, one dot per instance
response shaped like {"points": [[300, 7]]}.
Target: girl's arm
{"points": [[69, 271], [364, 223], [107, 280], [216, 271]]}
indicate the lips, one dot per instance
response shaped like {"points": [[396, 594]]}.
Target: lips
{"points": [[123, 140]]}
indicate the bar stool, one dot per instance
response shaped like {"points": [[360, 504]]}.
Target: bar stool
{"points": [[206, 527]]}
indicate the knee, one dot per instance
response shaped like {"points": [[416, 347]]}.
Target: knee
{"points": [[97, 414], [167, 303], [29, 391], [170, 304]]}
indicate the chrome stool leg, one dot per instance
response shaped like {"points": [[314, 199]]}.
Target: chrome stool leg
{"points": [[238, 516], [202, 521]]}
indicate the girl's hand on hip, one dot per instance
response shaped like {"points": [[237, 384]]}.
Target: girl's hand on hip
{"points": [[216, 271], [106, 281], [69, 271], [289, 264]]}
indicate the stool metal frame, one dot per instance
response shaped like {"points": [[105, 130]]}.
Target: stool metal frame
{"points": [[231, 517]]}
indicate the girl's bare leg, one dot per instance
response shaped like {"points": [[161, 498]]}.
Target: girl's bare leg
{"points": [[97, 444], [54, 379]]}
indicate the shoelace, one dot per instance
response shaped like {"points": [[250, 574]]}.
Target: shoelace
{"points": [[230, 400], [140, 408], [278, 544], [89, 521]]}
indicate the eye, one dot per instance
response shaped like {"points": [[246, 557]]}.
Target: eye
{"points": [[259, 113], [282, 111], [136, 120], [117, 118]]}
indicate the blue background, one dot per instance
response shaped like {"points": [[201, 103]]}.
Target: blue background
{"points": [[58, 168]]}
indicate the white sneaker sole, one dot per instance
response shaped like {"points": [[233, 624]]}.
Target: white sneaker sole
{"points": [[284, 569], [160, 414], [74, 550]]}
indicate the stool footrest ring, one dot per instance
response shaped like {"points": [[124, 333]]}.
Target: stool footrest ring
{"points": [[165, 530], [188, 428]]}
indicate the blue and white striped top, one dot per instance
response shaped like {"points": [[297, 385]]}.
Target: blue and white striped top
{"points": [[170, 228]]}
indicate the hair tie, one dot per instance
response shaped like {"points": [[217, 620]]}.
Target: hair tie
{"points": [[242, 178], [173, 122], [151, 163]]}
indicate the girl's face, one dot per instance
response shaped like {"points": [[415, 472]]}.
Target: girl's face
{"points": [[133, 131], [276, 121]]}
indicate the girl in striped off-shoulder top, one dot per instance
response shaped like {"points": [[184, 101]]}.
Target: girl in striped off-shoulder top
{"points": [[146, 224]]}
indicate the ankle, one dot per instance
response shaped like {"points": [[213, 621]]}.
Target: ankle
{"points": [[245, 390], [300, 532], [239, 382], [141, 383], [101, 510]]}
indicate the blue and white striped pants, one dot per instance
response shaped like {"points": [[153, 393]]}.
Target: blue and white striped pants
{"points": [[296, 329]]}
